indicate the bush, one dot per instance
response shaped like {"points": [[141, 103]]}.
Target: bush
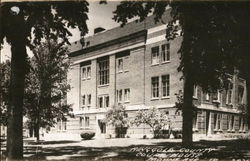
{"points": [[177, 134], [121, 132], [87, 135], [161, 134]]}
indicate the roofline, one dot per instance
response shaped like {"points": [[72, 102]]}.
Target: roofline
{"points": [[109, 43]]}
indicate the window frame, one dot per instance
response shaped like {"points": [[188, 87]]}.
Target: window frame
{"points": [[157, 55], [103, 72], [155, 89], [165, 84], [86, 72], [165, 50], [127, 95]]}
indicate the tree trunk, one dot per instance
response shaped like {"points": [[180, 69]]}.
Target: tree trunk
{"points": [[37, 129], [187, 112], [15, 109]]}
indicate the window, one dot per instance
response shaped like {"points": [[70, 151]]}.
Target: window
{"points": [[104, 72], [195, 94], [103, 101], [155, 87], [165, 85], [106, 99], [84, 122], [62, 124], [165, 53], [195, 122], [231, 122], [120, 65], [240, 94], [216, 97], [83, 100], [207, 97], [100, 102], [89, 99], [126, 95], [155, 55], [119, 95], [218, 121], [229, 94], [86, 72]]}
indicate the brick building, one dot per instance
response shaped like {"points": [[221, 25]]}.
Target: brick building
{"points": [[137, 67]]}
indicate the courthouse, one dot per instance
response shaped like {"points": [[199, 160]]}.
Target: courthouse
{"points": [[136, 66]]}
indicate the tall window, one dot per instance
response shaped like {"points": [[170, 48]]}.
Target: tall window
{"points": [[229, 93], [195, 94], [165, 85], [126, 95], [240, 94], [216, 96], [62, 124], [120, 65], [155, 55], [106, 101], [165, 53], [84, 122], [195, 122], [217, 121], [103, 101], [119, 95], [100, 102], [89, 100], [207, 96], [86, 72], [104, 72], [83, 100], [155, 87]]}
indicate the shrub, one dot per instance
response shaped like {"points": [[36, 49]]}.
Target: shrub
{"points": [[87, 135]]}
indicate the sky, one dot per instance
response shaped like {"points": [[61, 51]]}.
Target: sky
{"points": [[100, 15]]}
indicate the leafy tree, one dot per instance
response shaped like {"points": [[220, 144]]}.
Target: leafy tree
{"points": [[205, 52], [26, 24], [152, 117], [118, 117], [4, 91], [46, 86]]}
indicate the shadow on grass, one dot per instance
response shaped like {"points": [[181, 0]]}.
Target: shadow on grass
{"points": [[223, 150]]}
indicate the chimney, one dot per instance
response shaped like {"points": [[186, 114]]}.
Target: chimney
{"points": [[98, 29]]}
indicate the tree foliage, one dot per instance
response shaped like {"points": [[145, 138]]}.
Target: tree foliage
{"points": [[206, 51], [46, 85], [152, 117], [118, 118], [34, 22]]}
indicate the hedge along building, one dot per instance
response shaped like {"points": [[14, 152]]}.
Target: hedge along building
{"points": [[137, 67]]}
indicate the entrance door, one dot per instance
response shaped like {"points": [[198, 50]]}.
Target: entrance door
{"points": [[102, 126]]}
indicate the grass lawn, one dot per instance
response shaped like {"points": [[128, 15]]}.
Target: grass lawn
{"points": [[137, 149]]}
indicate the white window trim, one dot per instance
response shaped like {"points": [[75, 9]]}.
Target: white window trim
{"points": [[166, 51], [219, 115], [207, 96], [86, 76], [155, 63], [195, 93], [152, 91], [168, 95], [218, 97], [122, 68], [128, 95]]}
